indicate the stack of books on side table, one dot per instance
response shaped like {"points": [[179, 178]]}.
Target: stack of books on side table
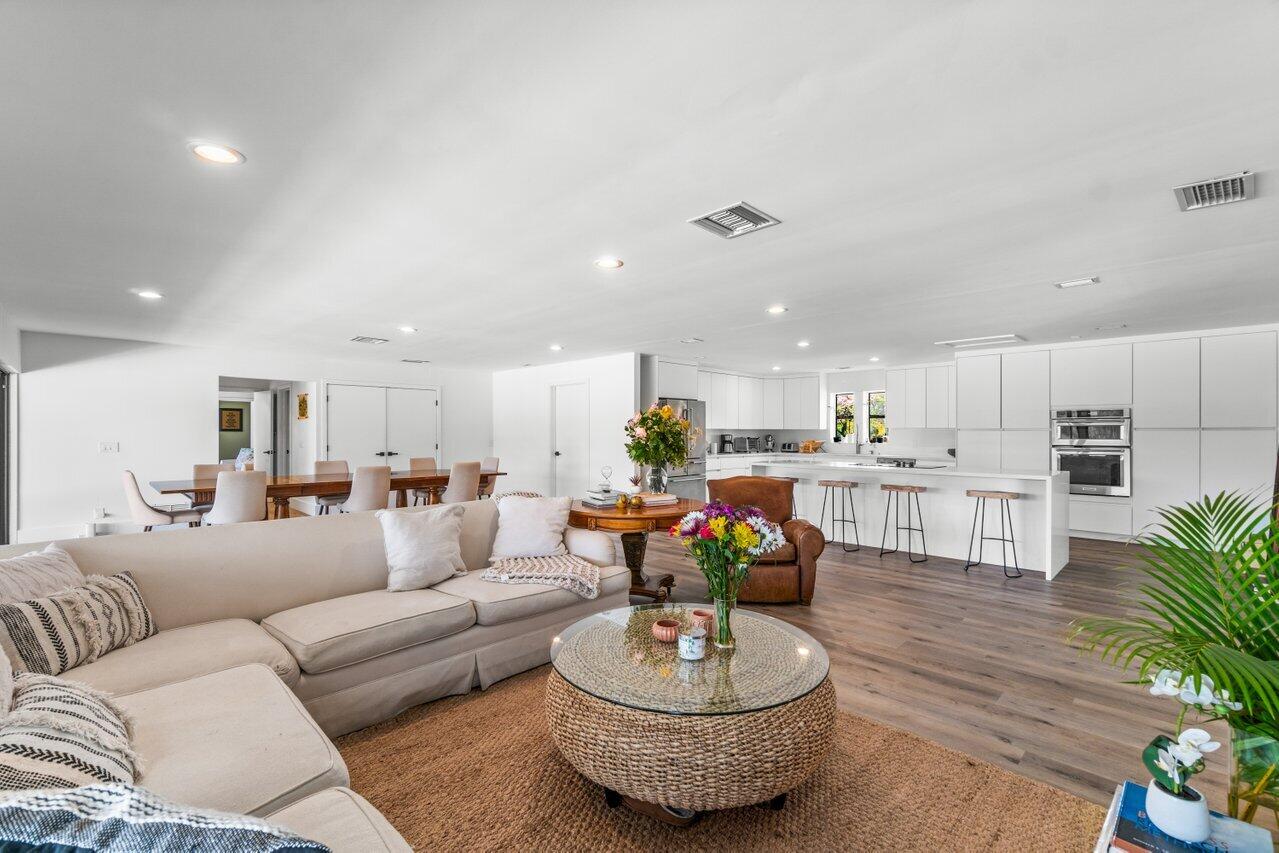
{"points": [[1128, 830], [601, 496], [658, 499]]}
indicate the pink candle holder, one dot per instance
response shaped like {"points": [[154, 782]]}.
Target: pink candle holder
{"points": [[704, 619], [666, 630]]}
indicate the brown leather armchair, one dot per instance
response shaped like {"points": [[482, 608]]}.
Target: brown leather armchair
{"points": [[789, 573]]}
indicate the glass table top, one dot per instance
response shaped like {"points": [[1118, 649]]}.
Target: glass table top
{"points": [[614, 656]]}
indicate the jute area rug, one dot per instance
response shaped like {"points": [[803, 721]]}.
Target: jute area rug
{"points": [[480, 772]]}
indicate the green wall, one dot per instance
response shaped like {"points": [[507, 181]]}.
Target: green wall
{"points": [[229, 443]]}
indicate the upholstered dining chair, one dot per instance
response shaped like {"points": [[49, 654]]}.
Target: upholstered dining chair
{"points": [[788, 574], [464, 483], [203, 501], [149, 516], [241, 496], [490, 463], [369, 489], [422, 463], [330, 467]]}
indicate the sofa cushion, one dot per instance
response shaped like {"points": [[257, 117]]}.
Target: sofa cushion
{"points": [[182, 653], [343, 820], [496, 603], [236, 740], [341, 631]]}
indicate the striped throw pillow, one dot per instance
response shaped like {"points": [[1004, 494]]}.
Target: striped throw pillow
{"points": [[61, 734], [76, 626], [38, 573]]}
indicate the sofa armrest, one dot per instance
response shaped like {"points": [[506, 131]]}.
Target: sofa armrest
{"points": [[809, 543], [594, 546]]}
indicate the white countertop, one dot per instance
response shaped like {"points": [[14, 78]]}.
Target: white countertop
{"points": [[823, 456], [855, 467]]}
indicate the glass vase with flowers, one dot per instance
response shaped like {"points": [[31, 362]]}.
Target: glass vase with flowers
{"points": [[657, 438]]}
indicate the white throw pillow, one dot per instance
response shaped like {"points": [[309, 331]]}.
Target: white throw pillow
{"points": [[37, 574], [422, 548], [531, 527]]}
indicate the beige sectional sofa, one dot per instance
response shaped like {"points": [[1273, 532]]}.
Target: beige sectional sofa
{"points": [[276, 636]]}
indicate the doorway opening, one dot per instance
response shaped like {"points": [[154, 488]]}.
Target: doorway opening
{"points": [[267, 423]]}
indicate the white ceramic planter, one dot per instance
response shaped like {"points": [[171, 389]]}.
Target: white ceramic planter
{"points": [[1183, 819]]}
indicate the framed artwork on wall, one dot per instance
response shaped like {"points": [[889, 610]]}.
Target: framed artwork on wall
{"points": [[304, 407], [231, 420]]}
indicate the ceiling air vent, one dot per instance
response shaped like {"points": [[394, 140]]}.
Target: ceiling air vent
{"points": [[365, 339], [416, 360], [734, 221], [1210, 193]]}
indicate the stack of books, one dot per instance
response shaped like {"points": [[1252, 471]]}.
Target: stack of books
{"points": [[599, 498], [1127, 830], [658, 498]]}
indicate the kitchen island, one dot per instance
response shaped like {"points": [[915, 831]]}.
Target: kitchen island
{"points": [[1040, 516]]}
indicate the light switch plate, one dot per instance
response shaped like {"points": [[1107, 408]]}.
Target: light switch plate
{"points": [[108, 447]]}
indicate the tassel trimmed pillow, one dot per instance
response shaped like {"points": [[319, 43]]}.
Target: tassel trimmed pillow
{"points": [[76, 626]]}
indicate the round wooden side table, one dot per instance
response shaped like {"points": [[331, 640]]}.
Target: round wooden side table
{"points": [[635, 525]]}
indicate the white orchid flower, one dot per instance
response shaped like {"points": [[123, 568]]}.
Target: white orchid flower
{"points": [[1203, 697], [1224, 700], [1169, 765], [1167, 682], [1186, 755], [1199, 740]]}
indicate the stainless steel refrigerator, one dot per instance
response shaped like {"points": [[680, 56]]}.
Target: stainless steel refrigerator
{"points": [[690, 480]]}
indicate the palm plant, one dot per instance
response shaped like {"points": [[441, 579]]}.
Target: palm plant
{"points": [[1209, 604]]}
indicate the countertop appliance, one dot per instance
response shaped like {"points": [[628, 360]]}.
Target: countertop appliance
{"points": [[752, 444], [790, 447], [770, 443], [725, 442], [1094, 446], [689, 481], [741, 444]]}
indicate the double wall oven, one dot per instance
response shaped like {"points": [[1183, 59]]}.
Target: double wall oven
{"points": [[1095, 447]]}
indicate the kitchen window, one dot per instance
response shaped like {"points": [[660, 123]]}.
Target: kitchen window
{"points": [[859, 417], [876, 426], [845, 417]]}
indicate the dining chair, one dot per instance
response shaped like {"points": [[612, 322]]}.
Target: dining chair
{"points": [[241, 496], [369, 489], [331, 467], [490, 463], [464, 483], [149, 516], [202, 501], [422, 463]]}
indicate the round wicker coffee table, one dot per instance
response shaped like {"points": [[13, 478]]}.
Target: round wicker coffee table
{"points": [[671, 737]]}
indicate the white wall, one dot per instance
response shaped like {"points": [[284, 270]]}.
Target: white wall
{"points": [[160, 403], [522, 418]]}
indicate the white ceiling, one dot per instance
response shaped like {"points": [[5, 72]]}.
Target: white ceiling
{"points": [[456, 166]]}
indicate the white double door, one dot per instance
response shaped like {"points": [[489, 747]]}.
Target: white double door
{"points": [[377, 425]]}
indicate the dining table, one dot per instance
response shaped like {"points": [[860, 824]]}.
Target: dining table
{"points": [[280, 489]]}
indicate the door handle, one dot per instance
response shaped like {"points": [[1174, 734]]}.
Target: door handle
{"points": [[380, 453], [557, 453], [268, 452], [392, 453]]}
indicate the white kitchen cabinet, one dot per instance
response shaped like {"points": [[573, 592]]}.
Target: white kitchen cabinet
{"points": [[676, 379], [732, 401], [977, 387], [1024, 390], [774, 404], [1238, 387], [1092, 376], [1109, 515], [978, 449], [802, 404], [916, 398], [895, 399], [1236, 459], [1025, 450], [704, 389], [750, 403], [1165, 386], [1165, 470], [717, 410], [941, 397]]}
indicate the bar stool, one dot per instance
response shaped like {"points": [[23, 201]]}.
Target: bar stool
{"points": [[1004, 538], [894, 492], [843, 488]]}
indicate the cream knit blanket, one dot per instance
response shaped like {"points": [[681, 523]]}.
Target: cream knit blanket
{"points": [[564, 571]]}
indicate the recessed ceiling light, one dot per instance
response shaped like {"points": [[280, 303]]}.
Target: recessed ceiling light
{"points": [[776, 309], [556, 347], [1077, 282], [408, 330], [874, 358], [802, 344], [776, 367], [149, 294], [691, 341], [608, 262], [222, 155]]}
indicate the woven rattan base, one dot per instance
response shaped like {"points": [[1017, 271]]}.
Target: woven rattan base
{"points": [[693, 762]]}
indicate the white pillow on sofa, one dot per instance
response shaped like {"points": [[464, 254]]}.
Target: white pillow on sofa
{"points": [[37, 574], [422, 548], [531, 527]]}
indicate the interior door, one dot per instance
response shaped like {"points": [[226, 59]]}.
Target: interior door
{"points": [[570, 439], [411, 425], [356, 425], [261, 436]]}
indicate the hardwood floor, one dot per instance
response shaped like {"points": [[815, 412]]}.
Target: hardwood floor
{"points": [[980, 663]]}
